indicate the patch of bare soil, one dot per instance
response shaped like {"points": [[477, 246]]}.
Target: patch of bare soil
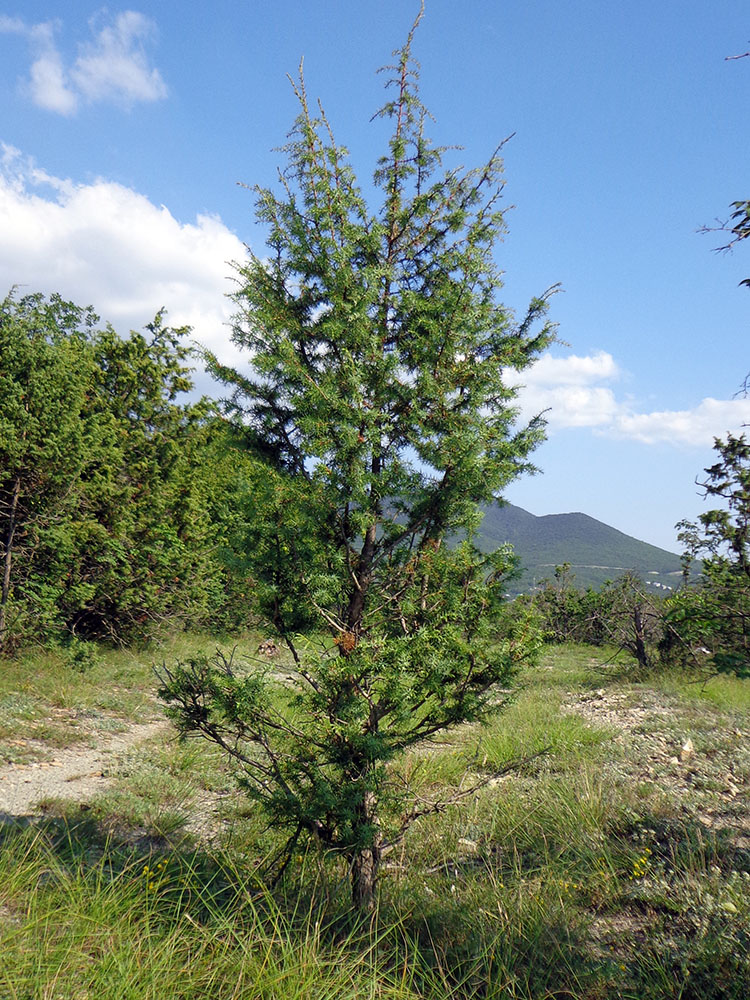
{"points": [[75, 773]]}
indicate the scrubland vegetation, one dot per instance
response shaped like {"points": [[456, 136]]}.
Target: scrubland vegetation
{"points": [[373, 776], [613, 863]]}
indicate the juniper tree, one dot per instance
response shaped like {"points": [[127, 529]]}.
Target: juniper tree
{"points": [[713, 615], [45, 373], [380, 406], [110, 518]]}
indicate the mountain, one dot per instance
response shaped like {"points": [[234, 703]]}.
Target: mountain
{"points": [[596, 552]]}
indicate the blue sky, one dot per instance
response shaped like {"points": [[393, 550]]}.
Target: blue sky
{"points": [[125, 132]]}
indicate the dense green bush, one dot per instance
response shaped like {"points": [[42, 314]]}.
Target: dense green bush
{"points": [[118, 495]]}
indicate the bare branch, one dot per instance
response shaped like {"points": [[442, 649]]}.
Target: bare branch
{"points": [[433, 808]]}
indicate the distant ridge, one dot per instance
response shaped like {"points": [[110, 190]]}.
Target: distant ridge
{"points": [[596, 552]]}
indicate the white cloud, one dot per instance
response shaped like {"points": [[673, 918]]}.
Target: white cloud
{"points": [[566, 390], [573, 406], [48, 84], [106, 245], [574, 370], [571, 393], [699, 426], [12, 25], [113, 66]]}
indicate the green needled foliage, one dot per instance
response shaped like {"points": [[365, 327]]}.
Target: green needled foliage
{"points": [[116, 495], [44, 377], [141, 536], [380, 408], [714, 614]]}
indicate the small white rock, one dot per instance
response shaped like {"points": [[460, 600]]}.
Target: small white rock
{"points": [[687, 749]]}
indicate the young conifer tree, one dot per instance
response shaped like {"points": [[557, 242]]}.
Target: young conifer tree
{"points": [[380, 406], [712, 616]]}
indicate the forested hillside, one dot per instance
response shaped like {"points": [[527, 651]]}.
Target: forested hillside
{"points": [[594, 551]]}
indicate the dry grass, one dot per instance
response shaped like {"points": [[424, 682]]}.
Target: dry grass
{"points": [[615, 865]]}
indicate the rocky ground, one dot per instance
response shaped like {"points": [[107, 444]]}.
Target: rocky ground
{"points": [[700, 759]]}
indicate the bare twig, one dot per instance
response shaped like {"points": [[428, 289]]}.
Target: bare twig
{"points": [[433, 808]]}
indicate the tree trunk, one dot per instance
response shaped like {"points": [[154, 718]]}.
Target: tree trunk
{"points": [[8, 557], [366, 861], [640, 646], [358, 598], [365, 880]]}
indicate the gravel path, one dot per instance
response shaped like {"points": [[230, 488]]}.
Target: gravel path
{"points": [[73, 773]]}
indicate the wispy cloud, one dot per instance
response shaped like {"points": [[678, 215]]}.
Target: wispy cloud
{"points": [[48, 83], [12, 25], [107, 245], [581, 392], [112, 66]]}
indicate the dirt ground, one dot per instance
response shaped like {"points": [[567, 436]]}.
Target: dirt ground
{"points": [[75, 773], [699, 762], [666, 746]]}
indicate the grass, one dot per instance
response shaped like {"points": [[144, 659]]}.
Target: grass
{"points": [[599, 869], [117, 927], [60, 700]]}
